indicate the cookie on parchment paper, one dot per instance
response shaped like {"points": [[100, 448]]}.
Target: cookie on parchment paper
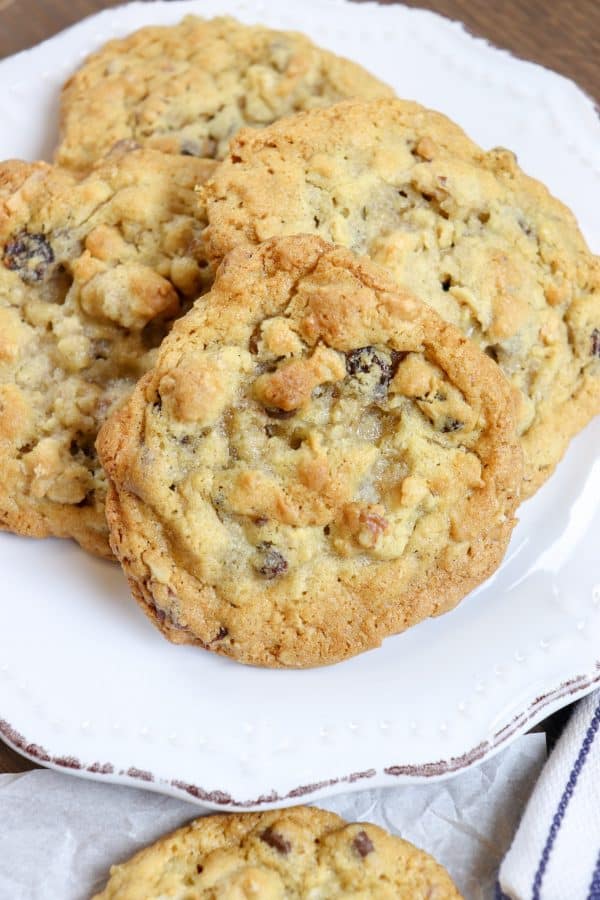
{"points": [[317, 461], [188, 88], [303, 853], [92, 273], [488, 247]]}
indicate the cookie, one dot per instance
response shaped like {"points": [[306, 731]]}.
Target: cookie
{"points": [[92, 272], [188, 88], [488, 247], [316, 461], [299, 853]]}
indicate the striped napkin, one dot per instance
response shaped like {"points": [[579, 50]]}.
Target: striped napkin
{"points": [[555, 854]]}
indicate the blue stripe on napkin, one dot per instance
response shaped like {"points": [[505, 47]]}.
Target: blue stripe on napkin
{"points": [[562, 808], [594, 892]]}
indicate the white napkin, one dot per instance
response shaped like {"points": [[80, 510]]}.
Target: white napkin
{"points": [[555, 854]]}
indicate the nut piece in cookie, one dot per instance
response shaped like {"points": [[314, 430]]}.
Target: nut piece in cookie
{"points": [[188, 88], [301, 852], [489, 248], [316, 461], [92, 274]]}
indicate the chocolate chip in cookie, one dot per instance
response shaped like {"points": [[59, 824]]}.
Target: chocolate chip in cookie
{"points": [[276, 840], [379, 365], [363, 844], [270, 562], [30, 255]]}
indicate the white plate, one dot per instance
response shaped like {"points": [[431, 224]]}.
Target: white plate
{"points": [[87, 683]]}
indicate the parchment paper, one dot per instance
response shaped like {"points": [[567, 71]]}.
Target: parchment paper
{"points": [[59, 835]]}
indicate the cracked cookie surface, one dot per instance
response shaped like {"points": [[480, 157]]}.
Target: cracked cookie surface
{"points": [[488, 247], [303, 853], [92, 272], [188, 88], [317, 461]]}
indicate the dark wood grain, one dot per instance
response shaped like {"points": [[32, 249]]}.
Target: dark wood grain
{"points": [[12, 762], [559, 34], [24, 23]]}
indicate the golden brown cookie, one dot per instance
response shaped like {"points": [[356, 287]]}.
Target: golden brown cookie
{"points": [[92, 272], [317, 461], [489, 248], [188, 88], [303, 853]]}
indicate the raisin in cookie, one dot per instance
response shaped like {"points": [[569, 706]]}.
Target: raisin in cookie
{"points": [[287, 854], [91, 274], [188, 88], [317, 461], [489, 248]]}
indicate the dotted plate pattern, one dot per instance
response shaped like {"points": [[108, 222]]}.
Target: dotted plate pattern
{"points": [[87, 685]]}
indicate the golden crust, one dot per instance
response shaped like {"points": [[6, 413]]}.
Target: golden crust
{"points": [[188, 88], [303, 536], [300, 852], [92, 272], [488, 247]]}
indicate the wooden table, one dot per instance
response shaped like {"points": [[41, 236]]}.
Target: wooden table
{"points": [[560, 35]]}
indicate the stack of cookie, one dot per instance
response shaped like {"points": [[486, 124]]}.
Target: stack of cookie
{"points": [[104, 250], [293, 350], [327, 342]]}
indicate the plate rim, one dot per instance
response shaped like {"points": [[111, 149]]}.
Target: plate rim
{"points": [[574, 688]]}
